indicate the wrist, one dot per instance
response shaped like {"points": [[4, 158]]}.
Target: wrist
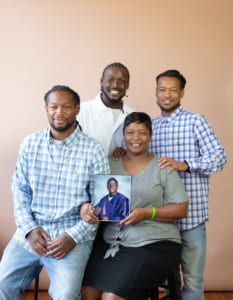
{"points": [[188, 169], [153, 212]]}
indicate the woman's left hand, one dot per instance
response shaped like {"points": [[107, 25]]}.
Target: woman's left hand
{"points": [[137, 215]]}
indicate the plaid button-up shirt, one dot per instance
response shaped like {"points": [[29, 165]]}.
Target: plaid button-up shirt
{"points": [[52, 179], [188, 136]]}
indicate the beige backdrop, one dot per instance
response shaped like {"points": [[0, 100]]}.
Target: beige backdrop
{"points": [[69, 42]]}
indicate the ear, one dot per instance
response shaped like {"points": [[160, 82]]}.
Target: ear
{"points": [[182, 93], [101, 80], [77, 109], [46, 108]]}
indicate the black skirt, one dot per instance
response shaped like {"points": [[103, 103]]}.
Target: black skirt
{"points": [[132, 270]]}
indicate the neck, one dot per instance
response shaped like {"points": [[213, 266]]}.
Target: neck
{"points": [[136, 163], [115, 104], [60, 136], [137, 157]]}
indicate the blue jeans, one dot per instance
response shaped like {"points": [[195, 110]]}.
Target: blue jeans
{"points": [[19, 267], [193, 262]]}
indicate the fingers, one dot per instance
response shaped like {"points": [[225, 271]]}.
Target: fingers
{"points": [[170, 170], [118, 153], [61, 246], [164, 162], [88, 214]]}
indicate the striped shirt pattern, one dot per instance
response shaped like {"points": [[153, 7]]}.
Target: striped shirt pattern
{"points": [[188, 136], [52, 179]]}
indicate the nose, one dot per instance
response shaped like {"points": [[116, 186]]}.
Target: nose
{"points": [[136, 135], [59, 110], [167, 93], [115, 83]]}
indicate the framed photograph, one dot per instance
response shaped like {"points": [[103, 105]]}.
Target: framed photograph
{"points": [[112, 196]]}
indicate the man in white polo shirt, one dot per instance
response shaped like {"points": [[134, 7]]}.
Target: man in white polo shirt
{"points": [[102, 117]]}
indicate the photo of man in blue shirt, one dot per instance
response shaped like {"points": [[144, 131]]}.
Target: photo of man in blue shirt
{"points": [[114, 206]]}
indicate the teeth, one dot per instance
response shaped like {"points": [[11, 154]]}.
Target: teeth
{"points": [[135, 145], [114, 92]]}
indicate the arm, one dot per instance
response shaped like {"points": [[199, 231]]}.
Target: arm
{"points": [[167, 213], [174, 204], [22, 192], [211, 156]]}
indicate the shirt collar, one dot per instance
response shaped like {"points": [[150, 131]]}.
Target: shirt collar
{"points": [[101, 107], [68, 140], [172, 116]]}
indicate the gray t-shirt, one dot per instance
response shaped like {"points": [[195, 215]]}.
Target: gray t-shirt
{"points": [[152, 186]]}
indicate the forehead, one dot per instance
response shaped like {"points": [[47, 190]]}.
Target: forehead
{"points": [[115, 72], [169, 82], [60, 96], [137, 126], [112, 182]]}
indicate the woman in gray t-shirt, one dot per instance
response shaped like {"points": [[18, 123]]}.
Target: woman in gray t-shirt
{"points": [[143, 249]]}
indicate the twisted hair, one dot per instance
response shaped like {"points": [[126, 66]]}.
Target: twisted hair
{"points": [[116, 65], [63, 88]]}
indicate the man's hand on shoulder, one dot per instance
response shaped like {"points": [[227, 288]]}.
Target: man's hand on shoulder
{"points": [[118, 153], [173, 164]]}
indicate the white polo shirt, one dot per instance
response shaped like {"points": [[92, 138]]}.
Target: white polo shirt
{"points": [[103, 123]]}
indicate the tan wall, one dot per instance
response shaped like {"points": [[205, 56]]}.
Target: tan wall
{"points": [[69, 42]]}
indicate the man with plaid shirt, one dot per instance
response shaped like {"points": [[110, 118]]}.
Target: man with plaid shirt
{"points": [[54, 176], [186, 142]]}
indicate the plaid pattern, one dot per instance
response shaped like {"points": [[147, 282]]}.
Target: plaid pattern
{"points": [[187, 136], [52, 179]]}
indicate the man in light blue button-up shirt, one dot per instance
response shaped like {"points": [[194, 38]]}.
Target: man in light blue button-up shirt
{"points": [[53, 177]]}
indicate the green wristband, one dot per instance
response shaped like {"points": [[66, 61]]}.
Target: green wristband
{"points": [[153, 214]]}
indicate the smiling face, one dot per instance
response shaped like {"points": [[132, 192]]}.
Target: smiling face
{"points": [[137, 138], [114, 83], [169, 94], [61, 112]]}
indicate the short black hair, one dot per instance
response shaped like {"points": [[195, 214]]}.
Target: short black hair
{"points": [[63, 88], [116, 65], [138, 117], [173, 73], [112, 179]]}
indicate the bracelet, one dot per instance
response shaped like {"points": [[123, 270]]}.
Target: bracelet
{"points": [[153, 214]]}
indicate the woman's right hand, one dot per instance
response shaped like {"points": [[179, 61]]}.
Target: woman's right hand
{"points": [[87, 213]]}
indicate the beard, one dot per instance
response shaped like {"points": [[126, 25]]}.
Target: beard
{"points": [[112, 101], [168, 109], [64, 128]]}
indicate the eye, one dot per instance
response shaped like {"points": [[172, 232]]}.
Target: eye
{"points": [[129, 132], [122, 81], [161, 89]]}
